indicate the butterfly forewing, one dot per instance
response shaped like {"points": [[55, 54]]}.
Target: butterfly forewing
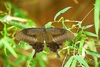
{"points": [[30, 35], [59, 35], [33, 36]]}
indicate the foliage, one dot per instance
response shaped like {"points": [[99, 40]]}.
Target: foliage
{"points": [[97, 16]]}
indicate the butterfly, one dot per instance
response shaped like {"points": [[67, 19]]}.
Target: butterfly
{"points": [[54, 37]]}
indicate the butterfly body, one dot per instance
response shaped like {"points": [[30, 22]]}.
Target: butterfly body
{"points": [[54, 37]]}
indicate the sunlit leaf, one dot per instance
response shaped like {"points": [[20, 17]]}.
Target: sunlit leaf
{"points": [[3, 19], [78, 36], [48, 25], [17, 12], [10, 40], [68, 63], [41, 62], [90, 34], [20, 59], [81, 44], [6, 44], [74, 63], [97, 16], [81, 60], [30, 23], [18, 24], [33, 64], [60, 12], [95, 54], [8, 7], [88, 26]]}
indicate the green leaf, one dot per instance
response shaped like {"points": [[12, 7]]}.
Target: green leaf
{"points": [[48, 25], [41, 62], [69, 62], [95, 54], [3, 19], [81, 60], [20, 59], [74, 63], [30, 23], [1, 44], [8, 46], [60, 12], [28, 61], [78, 36], [81, 44], [10, 40], [88, 26], [20, 25], [17, 12], [97, 16], [90, 34], [8, 7], [33, 63]]}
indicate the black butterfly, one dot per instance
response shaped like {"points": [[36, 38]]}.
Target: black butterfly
{"points": [[54, 37]]}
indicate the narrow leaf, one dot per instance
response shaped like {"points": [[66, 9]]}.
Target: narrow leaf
{"points": [[69, 62], [60, 12], [6, 44], [93, 53], [74, 63], [78, 36], [97, 16], [90, 34], [40, 61], [88, 26], [81, 44], [81, 60]]}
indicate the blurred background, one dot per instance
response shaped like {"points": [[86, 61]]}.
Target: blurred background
{"points": [[43, 11]]}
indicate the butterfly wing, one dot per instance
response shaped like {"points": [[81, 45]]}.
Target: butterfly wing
{"points": [[59, 35], [33, 36], [56, 36], [53, 37]]}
